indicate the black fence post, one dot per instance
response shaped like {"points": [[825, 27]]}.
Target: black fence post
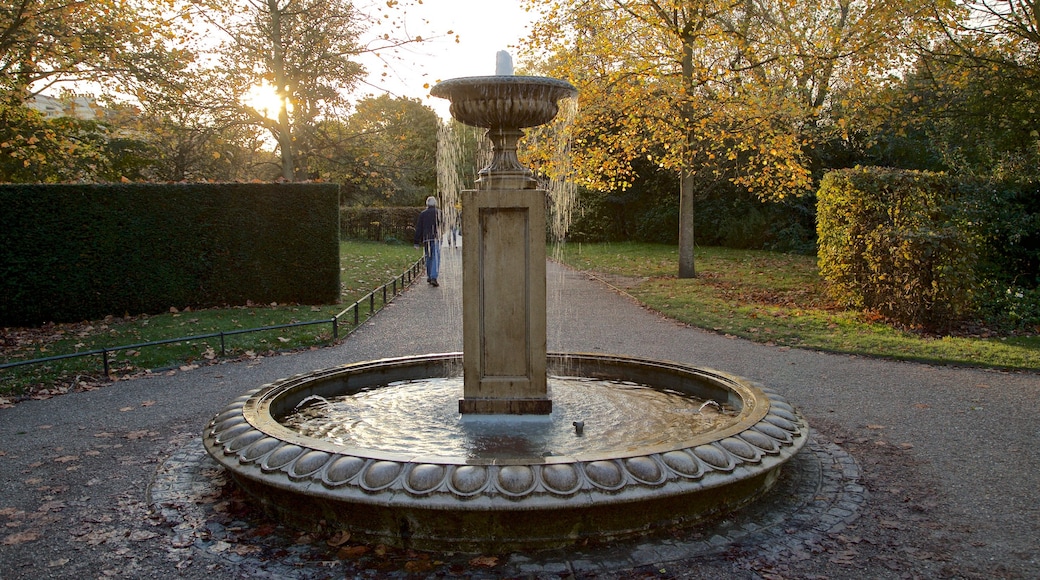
{"points": [[104, 361]]}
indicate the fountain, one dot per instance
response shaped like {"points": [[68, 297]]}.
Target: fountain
{"points": [[513, 493]]}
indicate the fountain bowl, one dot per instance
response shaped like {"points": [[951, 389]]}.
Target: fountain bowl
{"points": [[504, 101], [486, 505]]}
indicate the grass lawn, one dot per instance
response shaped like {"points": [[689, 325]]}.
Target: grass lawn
{"points": [[364, 266], [779, 299]]}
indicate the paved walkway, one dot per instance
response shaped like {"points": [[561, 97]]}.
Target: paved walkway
{"points": [[906, 459]]}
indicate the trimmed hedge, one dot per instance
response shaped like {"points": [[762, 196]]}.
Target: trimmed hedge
{"points": [[903, 243], [76, 252], [379, 224]]}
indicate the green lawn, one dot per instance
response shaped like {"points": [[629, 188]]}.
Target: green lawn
{"points": [[779, 299], [364, 266]]}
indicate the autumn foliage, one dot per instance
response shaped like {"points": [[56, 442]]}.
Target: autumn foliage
{"points": [[902, 243]]}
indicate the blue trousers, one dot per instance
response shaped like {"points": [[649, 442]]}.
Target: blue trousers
{"points": [[432, 253]]}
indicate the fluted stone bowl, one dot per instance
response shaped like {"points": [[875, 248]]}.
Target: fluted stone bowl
{"points": [[506, 101], [450, 503]]}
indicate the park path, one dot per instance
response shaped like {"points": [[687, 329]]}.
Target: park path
{"points": [[75, 469]]}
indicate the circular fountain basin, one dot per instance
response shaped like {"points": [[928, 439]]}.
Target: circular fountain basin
{"points": [[486, 503]]}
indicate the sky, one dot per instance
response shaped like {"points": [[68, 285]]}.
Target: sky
{"points": [[483, 27]]}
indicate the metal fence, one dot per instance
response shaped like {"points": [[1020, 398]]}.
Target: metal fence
{"points": [[389, 291]]}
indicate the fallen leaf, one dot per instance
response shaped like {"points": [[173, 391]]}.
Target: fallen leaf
{"points": [[58, 563], [51, 506], [66, 459], [21, 538], [845, 558], [352, 552], [875, 427], [147, 403], [339, 539], [418, 566], [125, 409], [484, 561]]}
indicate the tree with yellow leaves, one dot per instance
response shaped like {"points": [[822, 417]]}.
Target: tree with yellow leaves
{"points": [[717, 90]]}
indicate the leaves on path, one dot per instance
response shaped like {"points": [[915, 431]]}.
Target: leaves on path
{"points": [[484, 562], [21, 538]]}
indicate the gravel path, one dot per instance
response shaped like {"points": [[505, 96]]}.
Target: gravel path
{"points": [[914, 471]]}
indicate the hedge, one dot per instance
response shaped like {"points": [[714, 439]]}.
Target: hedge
{"points": [[903, 243], [77, 252]]}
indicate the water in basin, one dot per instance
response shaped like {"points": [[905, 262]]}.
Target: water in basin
{"points": [[421, 418]]}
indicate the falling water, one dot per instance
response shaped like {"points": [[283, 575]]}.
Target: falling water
{"points": [[449, 184], [463, 150], [563, 197]]}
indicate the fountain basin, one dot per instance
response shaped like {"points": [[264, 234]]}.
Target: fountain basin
{"points": [[504, 101], [452, 503]]}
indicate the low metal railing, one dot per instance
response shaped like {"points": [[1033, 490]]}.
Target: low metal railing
{"points": [[406, 278]]}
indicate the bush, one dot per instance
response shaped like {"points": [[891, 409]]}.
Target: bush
{"points": [[902, 243], [76, 252]]}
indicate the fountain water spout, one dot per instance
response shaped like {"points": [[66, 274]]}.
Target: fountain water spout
{"points": [[503, 63]]}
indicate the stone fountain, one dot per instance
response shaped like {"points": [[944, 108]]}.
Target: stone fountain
{"points": [[533, 498]]}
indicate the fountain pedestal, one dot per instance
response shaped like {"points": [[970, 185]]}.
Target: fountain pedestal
{"points": [[503, 312], [503, 259]]}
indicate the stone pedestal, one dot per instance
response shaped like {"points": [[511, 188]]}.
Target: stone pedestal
{"points": [[503, 302]]}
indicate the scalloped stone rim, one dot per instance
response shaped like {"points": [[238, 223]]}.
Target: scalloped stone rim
{"points": [[455, 503]]}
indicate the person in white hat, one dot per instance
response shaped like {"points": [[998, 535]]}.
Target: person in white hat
{"points": [[428, 233]]}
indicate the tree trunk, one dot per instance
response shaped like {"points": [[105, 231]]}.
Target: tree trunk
{"points": [[686, 265], [281, 84]]}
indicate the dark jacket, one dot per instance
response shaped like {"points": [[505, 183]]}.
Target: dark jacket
{"points": [[428, 226]]}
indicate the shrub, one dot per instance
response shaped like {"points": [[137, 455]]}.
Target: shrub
{"points": [[903, 243], [76, 252]]}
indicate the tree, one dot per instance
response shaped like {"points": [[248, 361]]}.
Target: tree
{"points": [[44, 41], [977, 93], [386, 150], [303, 49], [718, 91]]}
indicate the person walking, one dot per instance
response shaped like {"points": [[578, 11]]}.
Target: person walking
{"points": [[428, 233]]}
